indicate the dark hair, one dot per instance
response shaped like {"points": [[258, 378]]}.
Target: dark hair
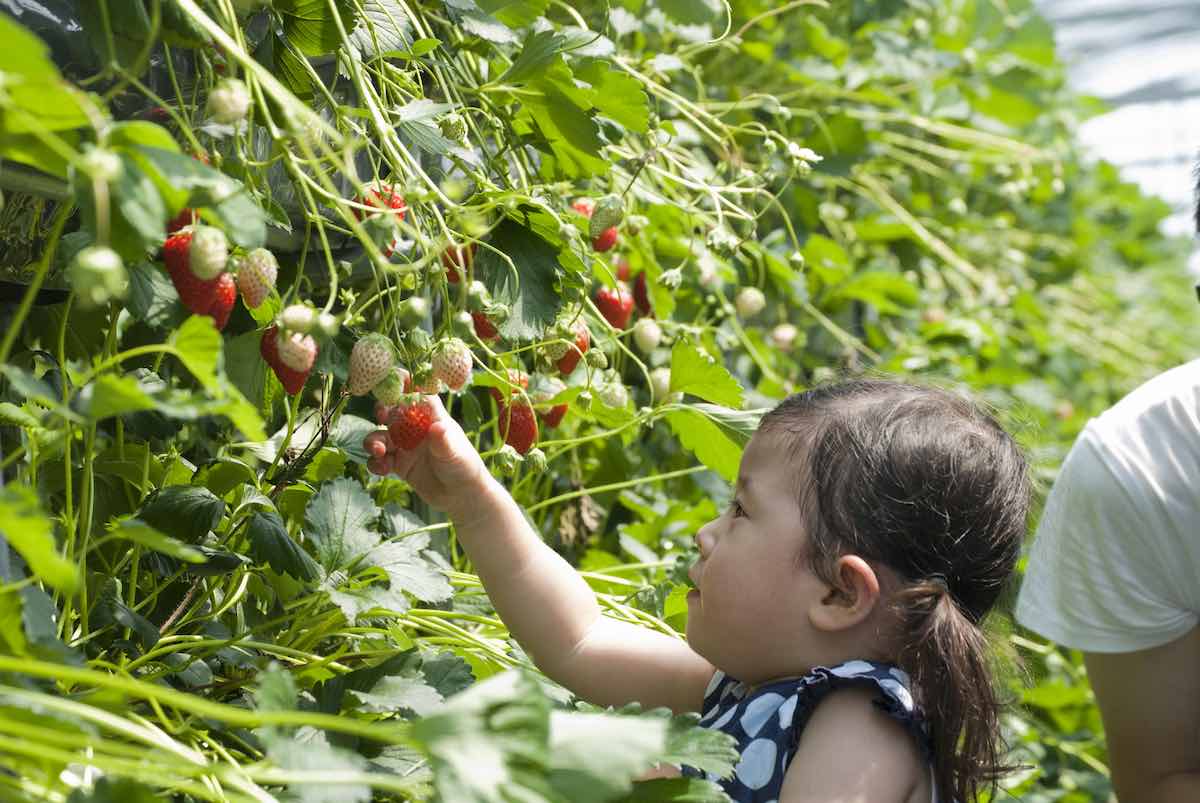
{"points": [[925, 482]]}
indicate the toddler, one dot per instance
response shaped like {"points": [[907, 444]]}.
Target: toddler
{"points": [[874, 524]]}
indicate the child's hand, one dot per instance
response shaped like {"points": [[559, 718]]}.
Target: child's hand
{"points": [[444, 469]]}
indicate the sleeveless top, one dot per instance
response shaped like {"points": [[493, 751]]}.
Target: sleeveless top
{"points": [[767, 722]]}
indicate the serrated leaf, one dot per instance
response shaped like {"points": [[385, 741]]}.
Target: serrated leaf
{"points": [[408, 571], [399, 521], [383, 27], [13, 415], [446, 672], [133, 133], [415, 121], [111, 610], [707, 750], [109, 789], [540, 49], [309, 25], [477, 23], [309, 750], [339, 519], [529, 291], [31, 533], [198, 346], [676, 790], [36, 87], [595, 757], [346, 434], [138, 531], [694, 371], [111, 395], [561, 113], [138, 202], [186, 512], [276, 690], [271, 544], [707, 441], [222, 474], [618, 95], [398, 692]]}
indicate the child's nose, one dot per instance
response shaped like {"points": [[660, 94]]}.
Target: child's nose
{"points": [[705, 539]]}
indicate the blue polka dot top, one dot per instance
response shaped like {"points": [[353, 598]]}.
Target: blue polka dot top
{"points": [[767, 722]]}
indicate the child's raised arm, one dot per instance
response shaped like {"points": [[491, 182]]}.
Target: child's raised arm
{"points": [[544, 602]]}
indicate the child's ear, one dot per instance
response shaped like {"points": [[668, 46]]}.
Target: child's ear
{"points": [[851, 600]]}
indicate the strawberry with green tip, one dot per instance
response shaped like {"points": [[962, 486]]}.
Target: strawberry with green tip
{"points": [[370, 362], [293, 381], [452, 363], [411, 422], [297, 351], [516, 378], [256, 276], [547, 389], [208, 252], [391, 389], [566, 356]]}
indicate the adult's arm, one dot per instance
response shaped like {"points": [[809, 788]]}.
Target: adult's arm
{"points": [[1150, 703]]}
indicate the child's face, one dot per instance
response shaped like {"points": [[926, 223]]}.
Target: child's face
{"points": [[749, 612]]}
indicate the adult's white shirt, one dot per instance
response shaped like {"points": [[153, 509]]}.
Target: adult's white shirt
{"points": [[1115, 564]]}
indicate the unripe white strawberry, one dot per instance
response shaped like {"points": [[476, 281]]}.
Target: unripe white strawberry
{"points": [[298, 318], [660, 383], [390, 389], [749, 302], [452, 363], [783, 336], [297, 351], [208, 252], [647, 334], [229, 101], [613, 393], [607, 213], [370, 361], [328, 323], [98, 275], [256, 276]]}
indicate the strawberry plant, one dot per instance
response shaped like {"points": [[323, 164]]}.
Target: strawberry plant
{"points": [[215, 585]]}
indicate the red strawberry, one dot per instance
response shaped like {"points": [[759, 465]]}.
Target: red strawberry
{"points": [[198, 295], [457, 257], [256, 276], [452, 363], [370, 361], [606, 239], [384, 197], [623, 270], [483, 327], [297, 351], [584, 206], [293, 381], [641, 296], [186, 217], [567, 357], [518, 425], [224, 297], [515, 378], [411, 424], [615, 304]]}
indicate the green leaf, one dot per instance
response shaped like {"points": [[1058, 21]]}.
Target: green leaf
{"points": [[139, 203], [707, 750], [276, 690], [133, 133], [540, 49], [339, 519], [708, 441], [407, 570], [693, 12], [309, 751], [217, 562], [198, 345], [477, 22], [222, 474], [37, 96], [13, 415], [562, 114], [346, 435], [138, 531], [399, 692], [111, 395], [415, 121], [110, 609], [676, 790], [618, 95], [152, 297], [515, 13], [109, 789], [184, 181], [889, 293], [31, 533], [383, 27], [126, 20], [694, 371], [271, 544], [187, 512], [595, 757], [446, 672], [310, 26], [528, 286]]}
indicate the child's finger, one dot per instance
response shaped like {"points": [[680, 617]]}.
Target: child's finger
{"points": [[402, 461]]}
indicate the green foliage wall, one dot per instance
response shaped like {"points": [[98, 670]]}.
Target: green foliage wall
{"points": [[212, 596]]}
